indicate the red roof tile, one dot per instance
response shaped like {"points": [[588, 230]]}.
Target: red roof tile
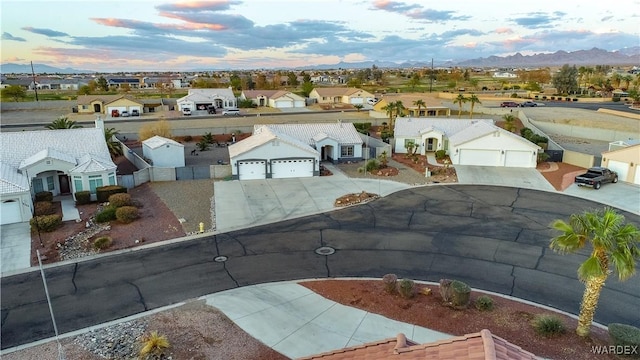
{"points": [[477, 346]]}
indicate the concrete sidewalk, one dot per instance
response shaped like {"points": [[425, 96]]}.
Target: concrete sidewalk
{"points": [[297, 322]]}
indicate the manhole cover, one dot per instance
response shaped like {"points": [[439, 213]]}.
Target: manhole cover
{"points": [[325, 250], [220, 259]]}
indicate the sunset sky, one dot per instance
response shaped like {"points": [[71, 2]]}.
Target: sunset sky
{"points": [[139, 35]]}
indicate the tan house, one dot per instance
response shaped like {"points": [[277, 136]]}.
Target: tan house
{"points": [[624, 161], [476, 346], [105, 104], [332, 95], [432, 105]]}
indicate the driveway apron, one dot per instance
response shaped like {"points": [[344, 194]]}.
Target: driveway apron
{"points": [[502, 176]]}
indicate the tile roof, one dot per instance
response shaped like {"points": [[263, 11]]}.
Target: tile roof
{"points": [[47, 153], [407, 100], [476, 346], [158, 141], [480, 129], [73, 143], [633, 149], [88, 163], [88, 99], [219, 92], [335, 91], [252, 94], [413, 127], [11, 181], [343, 132], [262, 135]]}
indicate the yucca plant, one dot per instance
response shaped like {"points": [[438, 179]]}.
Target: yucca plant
{"points": [[153, 346]]}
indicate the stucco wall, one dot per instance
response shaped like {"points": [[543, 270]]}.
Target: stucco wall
{"points": [[578, 159], [220, 171], [163, 173]]}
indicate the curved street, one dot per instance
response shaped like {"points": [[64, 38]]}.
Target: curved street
{"points": [[493, 238]]}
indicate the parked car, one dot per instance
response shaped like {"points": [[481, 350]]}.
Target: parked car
{"points": [[509, 104], [528, 104], [135, 112], [186, 111], [115, 113], [231, 112], [211, 109], [372, 101], [124, 113], [596, 176]]}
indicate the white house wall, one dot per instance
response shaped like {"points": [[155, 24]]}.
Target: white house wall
{"points": [[165, 156], [23, 199], [502, 143], [274, 149]]}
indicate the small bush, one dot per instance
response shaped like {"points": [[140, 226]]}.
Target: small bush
{"points": [[154, 345], [46, 223], [440, 154], [103, 192], [127, 214], [548, 325], [484, 303], [44, 196], [624, 335], [44, 208], [83, 197], [107, 214], [103, 242], [406, 288], [390, 282], [371, 165], [461, 294], [119, 200]]}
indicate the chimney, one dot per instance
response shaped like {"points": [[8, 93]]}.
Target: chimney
{"points": [[99, 122]]}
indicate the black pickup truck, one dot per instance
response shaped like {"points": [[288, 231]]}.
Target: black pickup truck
{"points": [[596, 176]]}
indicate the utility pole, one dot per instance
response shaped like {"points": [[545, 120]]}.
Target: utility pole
{"points": [[35, 86], [431, 77]]}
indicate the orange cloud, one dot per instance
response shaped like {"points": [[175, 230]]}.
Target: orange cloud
{"points": [[503, 31]]}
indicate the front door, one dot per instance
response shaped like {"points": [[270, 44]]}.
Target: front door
{"points": [[64, 184], [431, 144], [96, 108]]}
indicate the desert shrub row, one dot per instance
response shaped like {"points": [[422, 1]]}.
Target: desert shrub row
{"points": [[44, 208], [103, 192], [46, 223], [44, 196]]}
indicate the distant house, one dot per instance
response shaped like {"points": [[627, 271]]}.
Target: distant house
{"points": [[333, 95], [60, 161], [467, 142], [293, 150], [163, 152], [200, 99], [105, 104], [134, 83], [623, 157], [278, 99], [432, 105]]}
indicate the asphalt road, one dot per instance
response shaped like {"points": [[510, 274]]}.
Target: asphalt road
{"points": [[493, 238]]}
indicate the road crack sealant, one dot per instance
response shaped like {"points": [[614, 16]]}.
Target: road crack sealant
{"points": [[141, 297]]}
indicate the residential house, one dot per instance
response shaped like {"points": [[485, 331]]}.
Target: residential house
{"points": [[339, 95], [60, 161], [467, 142], [200, 99], [624, 160], [278, 99], [432, 105], [293, 150], [163, 152], [134, 83], [477, 346], [106, 104]]}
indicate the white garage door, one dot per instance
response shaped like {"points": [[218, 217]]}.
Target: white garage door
{"points": [[636, 179], [251, 170], [291, 168], [300, 104], [515, 158], [356, 100], [10, 212], [480, 157], [119, 108], [284, 104], [622, 168]]}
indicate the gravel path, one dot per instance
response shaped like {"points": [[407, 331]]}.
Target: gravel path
{"points": [[406, 175]]}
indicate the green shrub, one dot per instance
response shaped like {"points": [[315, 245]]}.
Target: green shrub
{"points": [[390, 283], [461, 294], [46, 223], [406, 288], [44, 208], [203, 145], [484, 303], [119, 200], [440, 154], [548, 325], [103, 192], [103, 242], [44, 196], [624, 335], [83, 197], [208, 138], [107, 214], [127, 214]]}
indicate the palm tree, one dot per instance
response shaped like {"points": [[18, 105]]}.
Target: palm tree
{"points": [[62, 123], [389, 109], [615, 246], [509, 122], [114, 146], [461, 99], [473, 99], [419, 103]]}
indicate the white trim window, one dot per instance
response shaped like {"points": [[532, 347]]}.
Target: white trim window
{"points": [[77, 183], [346, 151], [95, 181]]}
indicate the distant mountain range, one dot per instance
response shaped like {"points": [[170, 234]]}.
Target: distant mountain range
{"points": [[595, 56]]}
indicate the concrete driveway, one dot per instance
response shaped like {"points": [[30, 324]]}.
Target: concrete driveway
{"points": [[492, 175], [622, 195], [241, 204], [15, 247]]}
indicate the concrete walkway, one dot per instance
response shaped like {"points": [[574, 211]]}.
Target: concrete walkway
{"points": [[69, 210]]}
